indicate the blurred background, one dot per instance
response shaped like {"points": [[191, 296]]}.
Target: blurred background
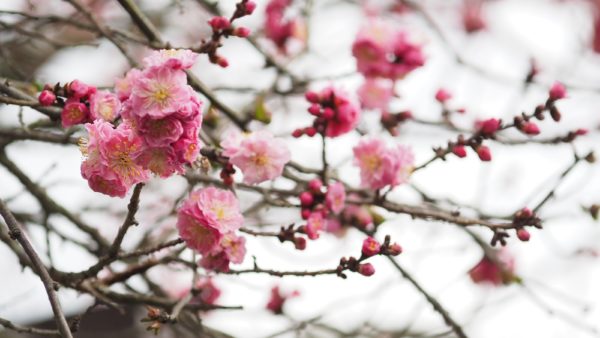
{"points": [[485, 71]]}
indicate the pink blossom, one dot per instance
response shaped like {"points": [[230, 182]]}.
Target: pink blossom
{"points": [[217, 261], [109, 164], [376, 93], [206, 216], [79, 90], [160, 132], [208, 292], [442, 95], [46, 98], [124, 85], [171, 58], [260, 156], [159, 91], [489, 126], [74, 112], [380, 51], [278, 27], [234, 247], [278, 299], [315, 224], [557, 91], [366, 269], [370, 247], [380, 165], [336, 197], [161, 161], [472, 16], [104, 105], [346, 114], [496, 272]]}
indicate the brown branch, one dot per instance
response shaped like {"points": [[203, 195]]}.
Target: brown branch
{"points": [[16, 232], [436, 305], [24, 329]]}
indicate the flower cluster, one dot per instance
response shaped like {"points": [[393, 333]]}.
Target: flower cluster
{"points": [[370, 247], [380, 51], [334, 113], [81, 103], [163, 110], [109, 165], [382, 166], [320, 209], [281, 29], [259, 155], [207, 222]]}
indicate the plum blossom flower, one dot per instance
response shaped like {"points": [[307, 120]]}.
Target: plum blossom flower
{"points": [[206, 216], [74, 112], [104, 105], [381, 166], [376, 93], [159, 91], [495, 272], [278, 299], [336, 197], [171, 58], [380, 51], [314, 224], [123, 85], [109, 164], [281, 29], [259, 155]]}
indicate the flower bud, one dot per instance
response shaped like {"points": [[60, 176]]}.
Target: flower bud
{"points": [[523, 235], [366, 269], [459, 151], [315, 185], [306, 199], [442, 95], [490, 126], [219, 22], [314, 109], [250, 6], [46, 98], [312, 97], [241, 32], [394, 249], [297, 133], [328, 113], [484, 153], [555, 113], [305, 213], [310, 131], [300, 243], [221, 61], [530, 128], [557, 91]]}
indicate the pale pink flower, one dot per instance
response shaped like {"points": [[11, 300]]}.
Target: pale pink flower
{"points": [[104, 105], [234, 247], [118, 154], [376, 93], [171, 58], [496, 272], [124, 85], [314, 224], [159, 91], [381, 166], [260, 156], [206, 216], [336, 197]]}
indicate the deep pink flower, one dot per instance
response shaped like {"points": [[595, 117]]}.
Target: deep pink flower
{"points": [[114, 187], [160, 132], [557, 91], [171, 58], [370, 247], [336, 197], [496, 273], [442, 95], [278, 299], [46, 98], [376, 93], [104, 105], [217, 261], [260, 156], [79, 90], [366, 269], [280, 28], [159, 91], [74, 112], [381, 166]]}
